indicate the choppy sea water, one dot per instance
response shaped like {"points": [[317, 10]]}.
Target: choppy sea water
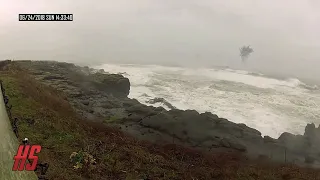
{"points": [[270, 105]]}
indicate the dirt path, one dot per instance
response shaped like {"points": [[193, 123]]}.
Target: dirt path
{"points": [[8, 148]]}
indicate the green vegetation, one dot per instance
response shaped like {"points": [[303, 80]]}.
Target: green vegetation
{"points": [[43, 118], [82, 160], [46, 118]]}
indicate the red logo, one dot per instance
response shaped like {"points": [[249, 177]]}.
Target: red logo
{"points": [[25, 153]]}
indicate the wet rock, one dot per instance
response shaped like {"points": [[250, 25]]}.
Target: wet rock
{"points": [[162, 101], [114, 84], [130, 102], [225, 143], [53, 77], [86, 70], [85, 102], [200, 129], [140, 109], [101, 71], [268, 139], [210, 115], [310, 130]]}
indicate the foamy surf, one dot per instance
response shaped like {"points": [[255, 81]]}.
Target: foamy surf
{"points": [[270, 105]]}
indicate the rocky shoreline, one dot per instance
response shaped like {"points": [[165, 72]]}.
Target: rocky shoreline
{"points": [[99, 96]]}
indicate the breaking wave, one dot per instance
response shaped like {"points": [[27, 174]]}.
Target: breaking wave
{"points": [[268, 104]]}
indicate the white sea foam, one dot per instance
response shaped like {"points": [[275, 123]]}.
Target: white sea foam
{"points": [[270, 105]]}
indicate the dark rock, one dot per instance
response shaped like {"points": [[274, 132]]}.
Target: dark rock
{"points": [[76, 94], [233, 144], [114, 84], [200, 129], [133, 118], [86, 70], [295, 143], [225, 143], [110, 104], [130, 102], [210, 115], [4, 64], [54, 77], [159, 109], [140, 109], [85, 102], [161, 100], [310, 130], [268, 139], [101, 71], [286, 137]]}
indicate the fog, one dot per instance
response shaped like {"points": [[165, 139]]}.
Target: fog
{"points": [[284, 34]]}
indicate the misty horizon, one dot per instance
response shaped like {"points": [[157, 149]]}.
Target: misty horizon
{"points": [[284, 35]]}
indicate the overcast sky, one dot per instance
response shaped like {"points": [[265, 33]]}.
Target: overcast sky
{"points": [[285, 34]]}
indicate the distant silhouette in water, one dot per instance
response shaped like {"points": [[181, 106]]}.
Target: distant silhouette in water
{"points": [[245, 52]]}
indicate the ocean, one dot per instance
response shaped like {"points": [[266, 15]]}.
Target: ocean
{"points": [[268, 104]]}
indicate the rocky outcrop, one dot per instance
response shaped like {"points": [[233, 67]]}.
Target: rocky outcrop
{"points": [[3, 64], [98, 95], [307, 145], [199, 130], [114, 84], [78, 80], [162, 101]]}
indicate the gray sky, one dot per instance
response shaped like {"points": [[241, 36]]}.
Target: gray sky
{"points": [[285, 34]]}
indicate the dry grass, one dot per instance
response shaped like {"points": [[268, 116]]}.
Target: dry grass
{"points": [[46, 118]]}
